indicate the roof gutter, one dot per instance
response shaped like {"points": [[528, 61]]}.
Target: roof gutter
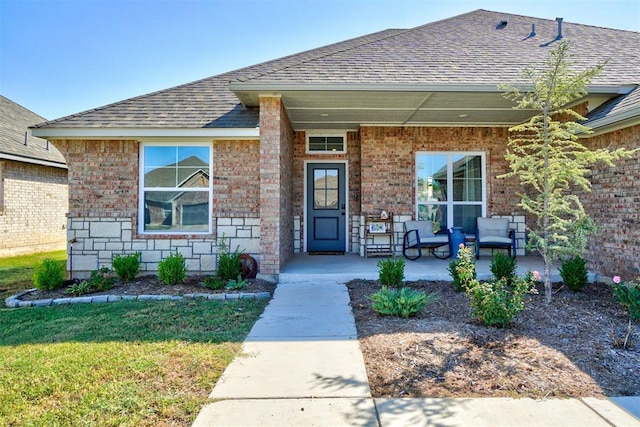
{"points": [[146, 133]]}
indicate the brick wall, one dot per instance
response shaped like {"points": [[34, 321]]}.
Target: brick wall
{"points": [[236, 180], [614, 204], [33, 208], [388, 165], [103, 208], [276, 186]]}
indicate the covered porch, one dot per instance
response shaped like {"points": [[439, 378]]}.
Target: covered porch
{"points": [[343, 268]]}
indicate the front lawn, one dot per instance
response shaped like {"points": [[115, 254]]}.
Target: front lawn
{"points": [[131, 363], [16, 273]]}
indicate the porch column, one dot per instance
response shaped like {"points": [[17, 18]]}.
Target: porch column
{"points": [[276, 187]]}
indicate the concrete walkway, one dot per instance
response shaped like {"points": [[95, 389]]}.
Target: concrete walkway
{"points": [[302, 366]]}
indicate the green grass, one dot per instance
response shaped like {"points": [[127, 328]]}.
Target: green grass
{"points": [[16, 273], [131, 363]]}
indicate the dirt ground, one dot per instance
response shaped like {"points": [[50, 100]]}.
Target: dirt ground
{"points": [[570, 348], [151, 285]]}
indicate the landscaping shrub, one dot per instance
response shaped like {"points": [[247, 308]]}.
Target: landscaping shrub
{"points": [[462, 269], [228, 262], [236, 284], [78, 288], [127, 267], [173, 269], [503, 267], [629, 296], [574, 273], [49, 275], [495, 303], [214, 282], [391, 272], [403, 302], [101, 280]]}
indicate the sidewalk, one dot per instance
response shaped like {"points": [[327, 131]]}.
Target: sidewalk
{"points": [[303, 367]]}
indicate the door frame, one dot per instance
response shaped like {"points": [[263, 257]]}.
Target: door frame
{"points": [[305, 222]]}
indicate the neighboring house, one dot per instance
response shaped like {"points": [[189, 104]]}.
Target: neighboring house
{"points": [[33, 186], [293, 153]]}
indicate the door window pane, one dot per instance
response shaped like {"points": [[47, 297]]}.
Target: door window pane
{"points": [[325, 189]]}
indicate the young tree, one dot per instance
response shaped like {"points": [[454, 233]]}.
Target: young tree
{"points": [[549, 160]]}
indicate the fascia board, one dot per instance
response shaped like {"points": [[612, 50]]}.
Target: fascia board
{"points": [[30, 160], [151, 133]]}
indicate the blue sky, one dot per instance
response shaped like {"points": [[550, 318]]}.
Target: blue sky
{"points": [[59, 57]]}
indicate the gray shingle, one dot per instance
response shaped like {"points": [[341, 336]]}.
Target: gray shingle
{"points": [[465, 49], [14, 122]]}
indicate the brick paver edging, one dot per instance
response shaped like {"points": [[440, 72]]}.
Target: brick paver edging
{"points": [[15, 302]]}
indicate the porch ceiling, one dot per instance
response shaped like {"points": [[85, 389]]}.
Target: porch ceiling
{"points": [[349, 109]]}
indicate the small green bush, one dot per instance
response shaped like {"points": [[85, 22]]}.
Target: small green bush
{"points": [[504, 267], [49, 275], [173, 269], [574, 273], [228, 262], [629, 296], [403, 302], [214, 282], [101, 280], [79, 288], [462, 269], [236, 284], [127, 267], [391, 272], [496, 302]]}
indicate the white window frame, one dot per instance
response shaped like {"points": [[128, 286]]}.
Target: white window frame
{"points": [[327, 134], [450, 203], [142, 188]]}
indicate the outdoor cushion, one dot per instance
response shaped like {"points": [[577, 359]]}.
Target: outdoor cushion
{"points": [[419, 234], [494, 233]]}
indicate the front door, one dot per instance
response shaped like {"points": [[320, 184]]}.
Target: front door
{"points": [[326, 207]]}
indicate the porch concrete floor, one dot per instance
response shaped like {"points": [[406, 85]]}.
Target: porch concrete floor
{"points": [[343, 268]]}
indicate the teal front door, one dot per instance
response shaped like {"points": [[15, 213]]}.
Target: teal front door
{"points": [[326, 207]]}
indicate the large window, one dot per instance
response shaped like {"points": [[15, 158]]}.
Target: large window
{"points": [[451, 188], [175, 187]]}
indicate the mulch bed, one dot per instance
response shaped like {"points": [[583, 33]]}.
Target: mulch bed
{"points": [[151, 285], [569, 348]]}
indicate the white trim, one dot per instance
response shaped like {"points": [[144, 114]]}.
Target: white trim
{"points": [[33, 161], [450, 202], [136, 133], [327, 133], [271, 89], [305, 223], [141, 189]]}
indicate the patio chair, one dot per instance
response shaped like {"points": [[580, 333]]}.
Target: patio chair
{"points": [[494, 233], [419, 235]]}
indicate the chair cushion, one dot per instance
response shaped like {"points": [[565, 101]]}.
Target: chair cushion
{"points": [[495, 227], [495, 239], [425, 228], [433, 240]]}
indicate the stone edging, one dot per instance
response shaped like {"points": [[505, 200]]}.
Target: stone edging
{"points": [[15, 302]]}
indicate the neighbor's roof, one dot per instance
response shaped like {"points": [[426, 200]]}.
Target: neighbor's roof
{"points": [[469, 50], [14, 123]]}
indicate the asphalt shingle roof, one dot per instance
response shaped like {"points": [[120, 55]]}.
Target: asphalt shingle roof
{"points": [[14, 122], [465, 49]]}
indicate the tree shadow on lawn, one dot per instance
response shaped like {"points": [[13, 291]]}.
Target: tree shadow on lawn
{"points": [[199, 321], [564, 349]]}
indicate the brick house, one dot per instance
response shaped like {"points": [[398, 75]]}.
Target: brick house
{"points": [[33, 186], [292, 154]]}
